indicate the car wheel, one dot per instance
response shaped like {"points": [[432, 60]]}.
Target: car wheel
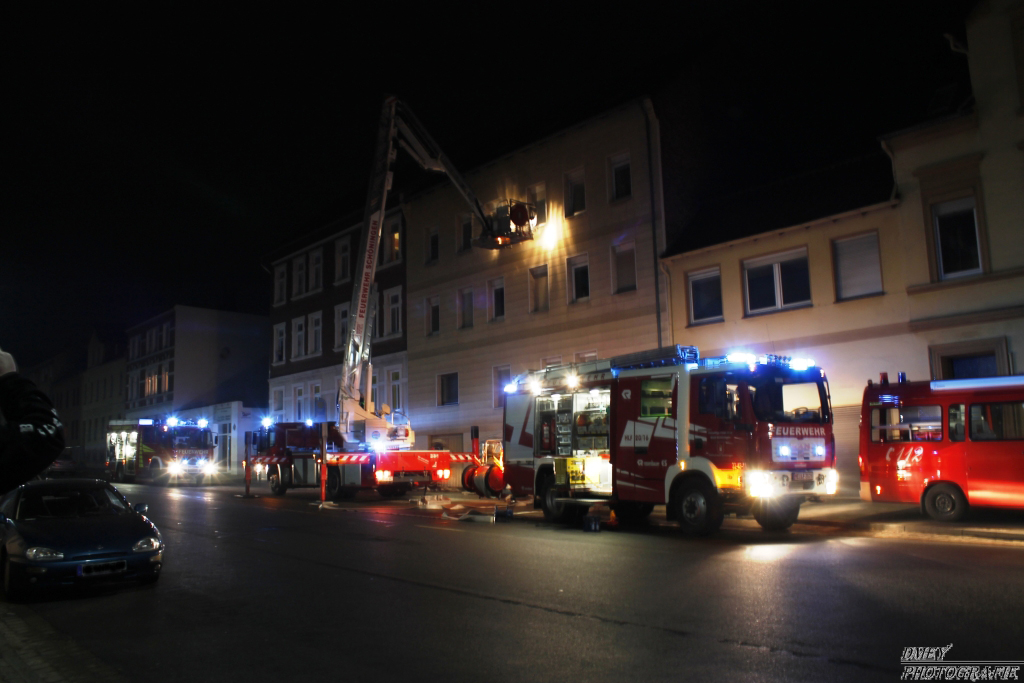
{"points": [[14, 584], [631, 512], [698, 508], [945, 503], [775, 514]]}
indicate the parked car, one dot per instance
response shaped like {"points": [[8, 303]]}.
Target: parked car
{"points": [[74, 532], [74, 461]]}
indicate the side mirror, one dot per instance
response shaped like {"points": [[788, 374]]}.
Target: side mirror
{"points": [[141, 508]]}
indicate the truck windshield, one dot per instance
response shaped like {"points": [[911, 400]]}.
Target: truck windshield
{"points": [[779, 399], [190, 437]]}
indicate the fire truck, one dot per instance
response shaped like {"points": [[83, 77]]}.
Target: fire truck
{"points": [[363, 449], [704, 437], [289, 454], [160, 452], [944, 445]]}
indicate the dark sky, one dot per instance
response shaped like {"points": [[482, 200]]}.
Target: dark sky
{"points": [[154, 159]]}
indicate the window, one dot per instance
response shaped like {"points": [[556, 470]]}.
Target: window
{"points": [[316, 270], [448, 389], [906, 423], [373, 391], [299, 405], [279, 343], [390, 243], [858, 270], [165, 378], [393, 300], [299, 276], [585, 356], [278, 399], [501, 375], [623, 268], [343, 259], [298, 337], [433, 247], [538, 196], [958, 252], [394, 376], [433, 315], [497, 298], [550, 362], [997, 421], [975, 358], [777, 282], [340, 326], [465, 233], [622, 184], [539, 289], [575, 193], [578, 270], [705, 292], [465, 308], [954, 218], [316, 333]]}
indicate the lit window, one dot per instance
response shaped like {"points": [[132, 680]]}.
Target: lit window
{"points": [[538, 196], [706, 296], [575, 193], [578, 269], [777, 282]]}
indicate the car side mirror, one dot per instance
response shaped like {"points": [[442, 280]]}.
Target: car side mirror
{"points": [[141, 508]]}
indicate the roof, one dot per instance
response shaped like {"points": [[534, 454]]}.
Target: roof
{"points": [[841, 187]]}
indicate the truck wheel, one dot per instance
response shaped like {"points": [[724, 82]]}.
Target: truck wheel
{"points": [[553, 510], [945, 503], [631, 512], [775, 514], [277, 487], [333, 483], [698, 508]]}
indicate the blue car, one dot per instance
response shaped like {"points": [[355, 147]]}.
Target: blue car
{"points": [[74, 532]]}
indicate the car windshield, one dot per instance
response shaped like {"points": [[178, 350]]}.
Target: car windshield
{"points": [[66, 502], [777, 399]]}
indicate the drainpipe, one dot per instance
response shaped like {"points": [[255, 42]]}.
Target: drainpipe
{"points": [[648, 110], [668, 294]]}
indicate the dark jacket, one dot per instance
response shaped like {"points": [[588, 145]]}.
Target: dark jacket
{"points": [[31, 435]]}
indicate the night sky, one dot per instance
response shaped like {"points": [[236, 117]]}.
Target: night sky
{"points": [[158, 159]]}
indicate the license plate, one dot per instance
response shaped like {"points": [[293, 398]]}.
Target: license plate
{"points": [[102, 568], [803, 476]]}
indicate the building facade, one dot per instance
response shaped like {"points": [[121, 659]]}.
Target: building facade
{"points": [[312, 291], [929, 281], [585, 287]]}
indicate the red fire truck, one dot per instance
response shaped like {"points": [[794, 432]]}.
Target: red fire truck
{"points": [[160, 452], [741, 433], [289, 454], [945, 445]]}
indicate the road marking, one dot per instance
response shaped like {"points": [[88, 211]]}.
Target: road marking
{"points": [[440, 528]]}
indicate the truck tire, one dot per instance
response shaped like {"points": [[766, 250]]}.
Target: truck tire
{"points": [[698, 508], [631, 512], [775, 514], [553, 510], [333, 483], [945, 503], [277, 486]]}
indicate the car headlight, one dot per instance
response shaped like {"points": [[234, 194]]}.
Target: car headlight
{"points": [[148, 544], [760, 484], [43, 555], [174, 468]]}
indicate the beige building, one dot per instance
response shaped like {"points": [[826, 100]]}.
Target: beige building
{"points": [[585, 287], [929, 281]]}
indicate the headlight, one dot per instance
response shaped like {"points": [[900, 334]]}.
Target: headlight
{"points": [[210, 468], [760, 484], [174, 468], [43, 555], [148, 544], [831, 482]]}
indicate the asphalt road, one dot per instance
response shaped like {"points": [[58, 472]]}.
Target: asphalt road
{"points": [[271, 589]]}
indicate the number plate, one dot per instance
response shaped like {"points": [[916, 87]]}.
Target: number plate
{"points": [[803, 476], [102, 568]]}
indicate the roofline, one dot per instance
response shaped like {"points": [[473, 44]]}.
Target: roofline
{"points": [[834, 218]]}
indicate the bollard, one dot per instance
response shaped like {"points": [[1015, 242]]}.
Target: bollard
{"points": [[323, 463]]}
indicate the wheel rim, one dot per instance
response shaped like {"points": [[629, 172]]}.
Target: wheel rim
{"points": [[944, 503], [694, 508]]}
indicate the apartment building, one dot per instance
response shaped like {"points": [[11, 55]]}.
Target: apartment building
{"points": [[585, 287], [918, 267], [313, 281]]}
